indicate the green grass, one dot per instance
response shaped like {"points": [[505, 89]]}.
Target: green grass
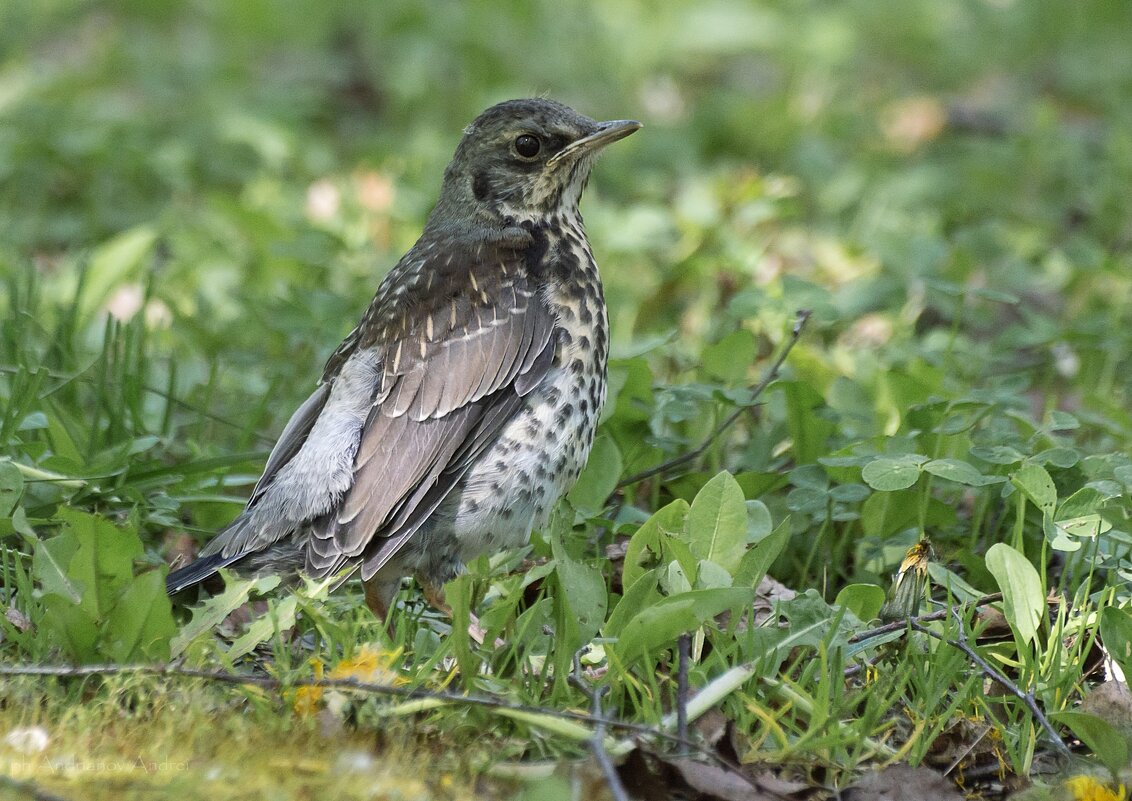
{"points": [[196, 203]]}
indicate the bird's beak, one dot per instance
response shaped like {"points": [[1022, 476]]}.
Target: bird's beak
{"points": [[606, 133]]}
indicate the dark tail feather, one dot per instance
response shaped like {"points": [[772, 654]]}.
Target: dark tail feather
{"points": [[196, 572]]}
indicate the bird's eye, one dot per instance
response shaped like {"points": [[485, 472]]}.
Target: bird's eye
{"points": [[527, 146]]}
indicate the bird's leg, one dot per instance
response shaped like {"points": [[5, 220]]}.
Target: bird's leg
{"points": [[434, 594], [379, 598]]}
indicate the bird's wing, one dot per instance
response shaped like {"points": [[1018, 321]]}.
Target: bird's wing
{"points": [[463, 335], [292, 439]]}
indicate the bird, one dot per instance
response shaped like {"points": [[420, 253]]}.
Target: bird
{"points": [[464, 404]]}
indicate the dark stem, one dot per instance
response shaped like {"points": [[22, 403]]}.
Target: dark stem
{"points": [[758, 389], [989, 670], [597, 739], [685, 646]]}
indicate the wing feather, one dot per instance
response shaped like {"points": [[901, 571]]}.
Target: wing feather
{"points": [[458, 360]]}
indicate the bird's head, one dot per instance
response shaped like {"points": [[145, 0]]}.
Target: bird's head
{"points": [[523, 159]]}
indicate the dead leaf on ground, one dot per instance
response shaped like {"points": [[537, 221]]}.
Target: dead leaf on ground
{"points": [[903, 783]]}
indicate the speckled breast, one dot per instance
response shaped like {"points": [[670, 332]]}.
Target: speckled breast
{"points": [[539, 455]]}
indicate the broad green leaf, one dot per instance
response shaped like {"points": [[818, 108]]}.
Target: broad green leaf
{"points": [[1102, 738], [960, 472], [72, 627], [729, 359], [660, 624], [863, 600], [998, 454], [757, 561], [1035, 483], [584, 589], [890, 473], [717, 523], [709, 574], [599, 478], [1058, 457], [1024, 603], [674, 579], [140, 625], [759, 523], [1116, 633], [49, 567], [1059, 538], [1084, 501], [103, 564], [952, 583], [212, 612], [11, 487], [648, 545], [1086, 526], [640, 595]]}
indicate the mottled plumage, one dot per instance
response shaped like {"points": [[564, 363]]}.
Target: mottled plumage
{"points": [[464, 403]]}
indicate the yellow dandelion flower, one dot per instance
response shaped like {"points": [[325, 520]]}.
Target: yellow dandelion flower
{"points": [[1088, 788], [307, 698], [366, 665]]}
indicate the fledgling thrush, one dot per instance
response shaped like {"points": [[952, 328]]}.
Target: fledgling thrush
{"points": [[463, 405]]}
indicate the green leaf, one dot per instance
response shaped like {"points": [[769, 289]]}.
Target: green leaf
{"points": [[11, 487], [279, 617], [759, 522], [583, 588], [998, 454], [757, 561], [212, 612], [660, 624], [729, 359], [960, 473], [1024, 603], [103, 563], [717, 523], [599, 478], [674, 579], [1081, 503], [952, 583], [648, 546], [49, 567], [890, 473], [1102, 738], [640, 595], [71, 627], [863, 600], [709, 574], [1034, 482], [141, 625], [1116, 634]]}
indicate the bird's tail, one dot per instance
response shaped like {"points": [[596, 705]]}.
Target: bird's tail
{"points": [[196, 572]]}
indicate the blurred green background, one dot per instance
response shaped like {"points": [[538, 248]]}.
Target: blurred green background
{"points": [[945, 184]]}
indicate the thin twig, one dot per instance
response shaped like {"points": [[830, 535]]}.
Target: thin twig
{"points": [[685, 647], [596, 741], [989, 670], [939, 614], [758, 389], [273, 683]]}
